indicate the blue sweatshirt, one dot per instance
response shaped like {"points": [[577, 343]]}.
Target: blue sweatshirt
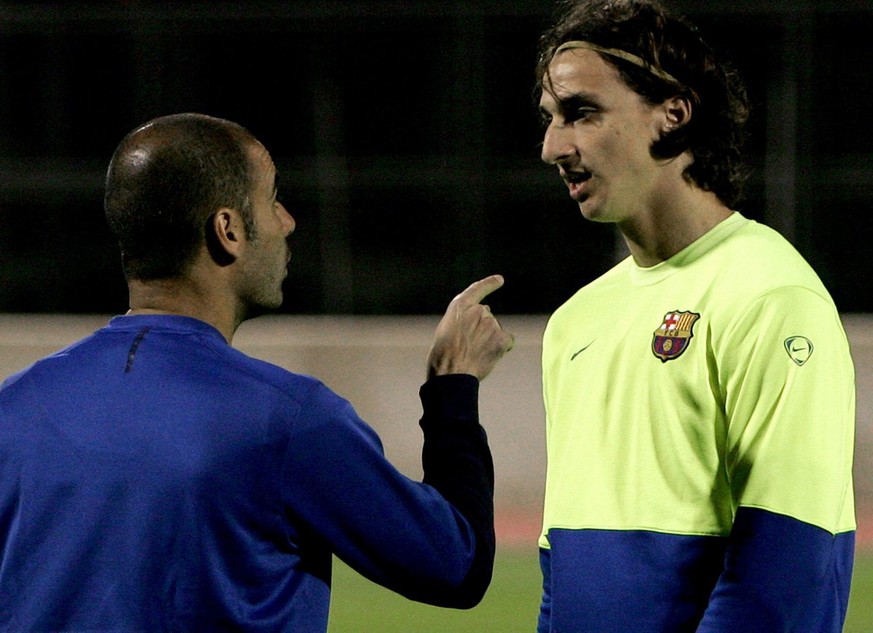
{"points": [[152, 478]]}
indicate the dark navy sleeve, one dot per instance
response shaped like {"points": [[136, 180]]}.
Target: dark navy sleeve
{"points": [[544, 622], [430, 541], [781, 574], [457, 463]]}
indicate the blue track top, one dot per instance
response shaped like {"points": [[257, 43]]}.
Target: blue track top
{"points": [[152, 478]]}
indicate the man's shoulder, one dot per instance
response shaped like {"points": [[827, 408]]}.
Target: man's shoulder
{"points": [[46, 363], [757, 260], [170, 357], [270, 375], [768, 242]]}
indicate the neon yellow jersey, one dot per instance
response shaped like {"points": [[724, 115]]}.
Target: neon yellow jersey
{"points": [[717, 379]]}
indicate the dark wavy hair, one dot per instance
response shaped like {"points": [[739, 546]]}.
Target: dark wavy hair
{"points": [[666, 42], [164, 182]]}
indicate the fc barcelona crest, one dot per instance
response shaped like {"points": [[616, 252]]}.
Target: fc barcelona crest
{"points": [[672, 338]]}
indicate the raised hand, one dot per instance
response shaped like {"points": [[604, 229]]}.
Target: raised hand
{"points": [[468, 339]]}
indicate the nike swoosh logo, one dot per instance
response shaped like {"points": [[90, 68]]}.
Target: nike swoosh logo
{"points": [[580, 351], [799, 349]]}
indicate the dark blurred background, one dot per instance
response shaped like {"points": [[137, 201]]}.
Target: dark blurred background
{"points": [[406, 140]]}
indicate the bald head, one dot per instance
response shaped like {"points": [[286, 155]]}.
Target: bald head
{"points": [[165, 180]]}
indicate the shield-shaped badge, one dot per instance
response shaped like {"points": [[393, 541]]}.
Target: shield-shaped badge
{"points": [[672, 338], [799, 349]]}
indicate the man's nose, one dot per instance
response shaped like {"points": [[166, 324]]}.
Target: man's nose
{"points": [[288, 223], [557, 144]]}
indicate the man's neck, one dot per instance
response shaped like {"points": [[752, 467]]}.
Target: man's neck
{"points": [[184, 298], [680, 219]]}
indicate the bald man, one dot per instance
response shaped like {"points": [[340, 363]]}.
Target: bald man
{"points": [[152, 478]]}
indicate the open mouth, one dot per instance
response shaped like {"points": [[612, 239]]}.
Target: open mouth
{"points": [[576, 177], [576, 181]]}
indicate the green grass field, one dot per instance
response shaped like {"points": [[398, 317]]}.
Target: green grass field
{"points": [[510, 606]]}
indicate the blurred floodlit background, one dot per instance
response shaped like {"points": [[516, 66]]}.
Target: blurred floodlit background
{"points": [[406, 139]]}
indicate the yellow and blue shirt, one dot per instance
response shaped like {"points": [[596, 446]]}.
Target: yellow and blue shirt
{"points": [[700, 428]]}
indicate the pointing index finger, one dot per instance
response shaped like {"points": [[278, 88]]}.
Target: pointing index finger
{"points": [[478, 290]]}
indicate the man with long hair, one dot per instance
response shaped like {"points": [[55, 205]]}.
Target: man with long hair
{"points": [[699, 395]]}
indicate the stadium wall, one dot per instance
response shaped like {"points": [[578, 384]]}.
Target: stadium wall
{"points": [[378, 363]]}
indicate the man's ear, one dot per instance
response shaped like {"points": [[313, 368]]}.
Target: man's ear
{"points": [[677, 113], [225, 236]]}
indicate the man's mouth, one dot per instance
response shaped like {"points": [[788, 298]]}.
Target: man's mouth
{"points": [[576, 182]]}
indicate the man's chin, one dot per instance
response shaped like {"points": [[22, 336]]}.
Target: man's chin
{"points": [[263, 306], [594, 212], [589, 211]]}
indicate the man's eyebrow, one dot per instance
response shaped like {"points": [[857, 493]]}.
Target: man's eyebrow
{"points": [[575, 101], [571, 103]]}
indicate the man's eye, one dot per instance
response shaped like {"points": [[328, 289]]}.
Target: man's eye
{"points": [[545, 119], [581, 114]]}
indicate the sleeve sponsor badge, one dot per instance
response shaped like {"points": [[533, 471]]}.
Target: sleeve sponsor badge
{"points": [[673, 336], [799, 349]]}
